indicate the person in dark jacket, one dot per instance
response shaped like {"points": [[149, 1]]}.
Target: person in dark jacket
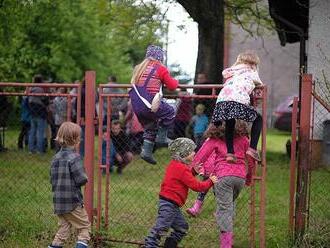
{"points": [[38, 109], [23, 137]]}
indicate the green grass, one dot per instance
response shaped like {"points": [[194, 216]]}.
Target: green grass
{"points": [[27, 220]]}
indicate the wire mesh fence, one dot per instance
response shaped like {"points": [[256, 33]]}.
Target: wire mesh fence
{"points": [[128, 187], [126, 193], [29, 119], [319, 213]]}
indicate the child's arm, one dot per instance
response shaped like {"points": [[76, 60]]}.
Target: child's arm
{"points": [[166, 78], [256, 79], [78, 172], [189, 180]]}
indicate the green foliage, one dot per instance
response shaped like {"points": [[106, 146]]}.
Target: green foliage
{"points": [[251, 15], [62, 39]]}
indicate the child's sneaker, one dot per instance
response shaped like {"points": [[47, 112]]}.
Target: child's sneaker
{"points": [[195, 210], [231, 158], [253, 153]]}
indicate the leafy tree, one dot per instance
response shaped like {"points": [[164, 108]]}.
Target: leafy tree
{"points": [[62, 39]]}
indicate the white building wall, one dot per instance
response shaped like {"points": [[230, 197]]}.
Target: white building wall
{"points": [[319, 58]]}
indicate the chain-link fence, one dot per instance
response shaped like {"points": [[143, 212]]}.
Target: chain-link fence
{"points": [[319, 184], [312, 215], [128, 187], [30, 115], [125, 198]]}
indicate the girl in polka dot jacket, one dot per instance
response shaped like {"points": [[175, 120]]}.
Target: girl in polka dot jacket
{"points": [[234, 102]]}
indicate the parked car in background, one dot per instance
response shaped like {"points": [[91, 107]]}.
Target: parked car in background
{"points": [[283, 115]]}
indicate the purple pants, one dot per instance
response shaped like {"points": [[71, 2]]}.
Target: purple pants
{"points": [[150, 121]]}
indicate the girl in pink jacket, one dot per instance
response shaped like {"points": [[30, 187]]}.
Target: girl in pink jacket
{"points": [[211, 160]]}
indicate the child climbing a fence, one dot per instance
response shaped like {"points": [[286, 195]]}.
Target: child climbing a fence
{"points": [[233, 102], [177, 181], [154, 114], [67, 176], [211, 160]]}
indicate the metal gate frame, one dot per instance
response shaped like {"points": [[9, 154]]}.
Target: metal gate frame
{"points": [[300, 183], [258, 177]]}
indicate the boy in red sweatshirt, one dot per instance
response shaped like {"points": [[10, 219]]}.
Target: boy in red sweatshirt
{"points": [[173, 194]]}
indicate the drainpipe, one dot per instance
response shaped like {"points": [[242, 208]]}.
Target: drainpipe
{"points": [[303, 37], [302, 168]]}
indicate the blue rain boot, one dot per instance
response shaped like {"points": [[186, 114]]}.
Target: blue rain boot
{"points": [[81, 244], [161, 139], [146, 153]]}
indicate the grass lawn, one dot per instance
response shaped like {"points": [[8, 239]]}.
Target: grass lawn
{"points": [[26, 218]]}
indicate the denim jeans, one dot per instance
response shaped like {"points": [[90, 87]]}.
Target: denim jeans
{"points": [[82, 142], [37, 134], [112, 154], [169, 216]]}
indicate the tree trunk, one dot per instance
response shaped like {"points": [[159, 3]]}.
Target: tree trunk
{"points": [[209, 14], [210, 52]]}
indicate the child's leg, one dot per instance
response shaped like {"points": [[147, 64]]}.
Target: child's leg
{"points": [[149, 136], [62, 233], [166, 115], [255, 132], [167, 213], [79, 220], [180, 229], [197, 207], [229, 134], [226, 191]]}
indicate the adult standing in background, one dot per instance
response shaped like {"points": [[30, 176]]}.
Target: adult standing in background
{"points": [[25, 122], [118, 104], [38, 109], [209, 103]]}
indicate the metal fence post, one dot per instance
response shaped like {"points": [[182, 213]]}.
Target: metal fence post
{"points": [[262, 237], [89, 141], [293, 164], [304, 156]]}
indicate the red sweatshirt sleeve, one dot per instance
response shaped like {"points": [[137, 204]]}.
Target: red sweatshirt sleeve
{"points": [[189, 180], [166, 78]]}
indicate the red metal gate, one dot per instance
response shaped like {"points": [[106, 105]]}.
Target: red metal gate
{"points": [[112, 206], [309, 174]]}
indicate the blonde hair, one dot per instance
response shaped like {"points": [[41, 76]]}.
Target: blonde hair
{"points": [[200, 107], [241, 129], [68, 134], [140, 68], [248, 57]]}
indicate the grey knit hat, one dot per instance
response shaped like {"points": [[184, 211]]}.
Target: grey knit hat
{"points": [[181, 148]]}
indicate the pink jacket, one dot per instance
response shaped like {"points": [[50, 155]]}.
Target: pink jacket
{"points": [[212, 156]]}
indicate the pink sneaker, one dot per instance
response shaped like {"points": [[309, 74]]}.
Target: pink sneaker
{"points": [[195, 210], [226, 240], [253, 153]]}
